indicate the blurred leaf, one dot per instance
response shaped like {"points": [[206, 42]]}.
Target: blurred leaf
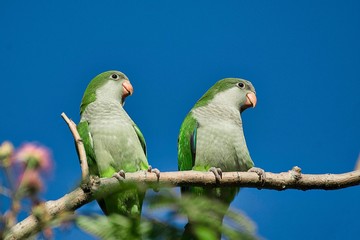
{"points": [[165, 220], [112, 227]]}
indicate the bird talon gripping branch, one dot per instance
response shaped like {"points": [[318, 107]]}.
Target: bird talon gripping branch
{"points": [[119, 175], [217, 172], [154, 170], [260, 172], [157, 172]]}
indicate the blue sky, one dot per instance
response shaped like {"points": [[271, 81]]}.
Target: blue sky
{"points": [[303, 57]]}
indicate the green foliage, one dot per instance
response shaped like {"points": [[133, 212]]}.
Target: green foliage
{"points": [[114, 226], [165, 219]]}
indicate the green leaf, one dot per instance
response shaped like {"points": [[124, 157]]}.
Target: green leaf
{"points": [[165, 217]]}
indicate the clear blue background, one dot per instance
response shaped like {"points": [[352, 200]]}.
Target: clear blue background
{"points": [[303, 58]]}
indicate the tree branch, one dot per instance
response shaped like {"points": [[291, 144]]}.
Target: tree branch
{"points": [[79, 148], [96, 188], [292, 179]]}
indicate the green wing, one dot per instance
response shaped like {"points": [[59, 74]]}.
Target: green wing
{"points": [[144, 165], [141, 138], [83, 129], [187, 143]]}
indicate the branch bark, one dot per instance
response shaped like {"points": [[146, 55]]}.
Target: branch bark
{"points": [[79, 148], [292, 179]]}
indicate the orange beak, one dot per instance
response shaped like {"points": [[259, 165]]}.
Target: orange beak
{"points": [[251, 99], [127, 90]]}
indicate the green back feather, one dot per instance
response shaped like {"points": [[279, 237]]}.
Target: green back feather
{"points": [[141, 138], [186, 148], [83, 129]]}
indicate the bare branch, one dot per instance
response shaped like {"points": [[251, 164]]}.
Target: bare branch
{"points": [[79, 147], [292, 179]]}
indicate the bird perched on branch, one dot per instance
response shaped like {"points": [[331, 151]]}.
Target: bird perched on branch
{"points": [[211, 138], [112, 141]]}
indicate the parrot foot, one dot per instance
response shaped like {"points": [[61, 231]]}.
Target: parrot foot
{"points": [[260, 172], [119, 175], [217, 172], [154, 170], [157, 172]]}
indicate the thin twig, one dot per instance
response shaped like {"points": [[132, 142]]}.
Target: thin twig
{"points": [[79, 147]]}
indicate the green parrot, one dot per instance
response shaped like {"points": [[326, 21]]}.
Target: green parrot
{"points": [[113, 143], [211, 138]]}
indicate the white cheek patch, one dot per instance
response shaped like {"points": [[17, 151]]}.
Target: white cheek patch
{"points": [[110, 90], [228, 97]]}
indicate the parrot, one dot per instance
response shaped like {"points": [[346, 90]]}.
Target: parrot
{"points": [[211, 138], [113, 143]]}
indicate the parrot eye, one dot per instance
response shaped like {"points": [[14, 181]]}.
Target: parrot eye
{"points": [[115, 76], [241, 85]]}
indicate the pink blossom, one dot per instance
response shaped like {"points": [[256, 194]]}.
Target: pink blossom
{"points": [[6, 152], [31, 182], [34, 156]]}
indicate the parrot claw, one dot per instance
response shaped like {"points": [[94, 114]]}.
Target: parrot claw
{"points": [[154, 170], [217, 172], [260, 172], [119, 175], [157, 172]]}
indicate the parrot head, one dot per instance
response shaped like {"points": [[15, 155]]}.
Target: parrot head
{"points": [[112, 85], [230, 91]]}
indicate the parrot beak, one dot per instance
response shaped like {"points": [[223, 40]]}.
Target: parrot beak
{"points": [[127, 90], [250, 101]]}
